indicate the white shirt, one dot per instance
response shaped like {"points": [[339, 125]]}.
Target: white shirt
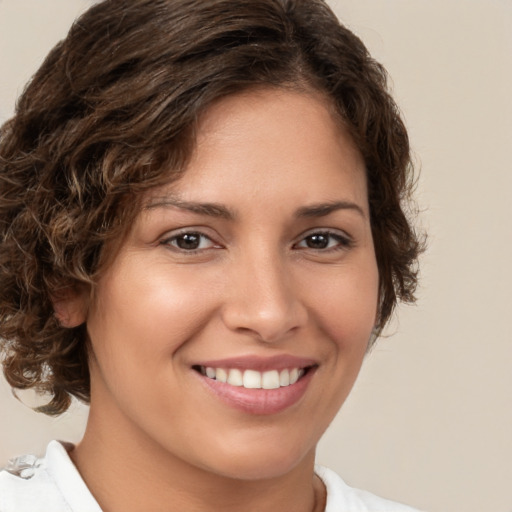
{"points": [[53, 484]]}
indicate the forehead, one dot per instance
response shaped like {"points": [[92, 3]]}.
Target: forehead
{"points": [[272, 116], [269, 142]]}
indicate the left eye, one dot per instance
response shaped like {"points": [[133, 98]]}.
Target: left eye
{"points": [[190, 241], [323, 240]]}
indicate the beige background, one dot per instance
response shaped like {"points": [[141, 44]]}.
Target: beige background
{"points": [[430, 419]]}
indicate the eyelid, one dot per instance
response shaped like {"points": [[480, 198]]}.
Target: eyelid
{"points": [[344, 239], [172, 235]]}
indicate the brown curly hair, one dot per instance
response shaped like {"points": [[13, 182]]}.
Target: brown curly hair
{"points": [[114, 107]]}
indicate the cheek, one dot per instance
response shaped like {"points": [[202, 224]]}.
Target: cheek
{"points": [[148, 316], [345, 305]]}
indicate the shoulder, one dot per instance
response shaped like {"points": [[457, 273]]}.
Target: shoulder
{"points": [[52, 482], [341, 497], [26, 485]]}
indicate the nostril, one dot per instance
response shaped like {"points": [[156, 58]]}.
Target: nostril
{"points": [[266, 315]]}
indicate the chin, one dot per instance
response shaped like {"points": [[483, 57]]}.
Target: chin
{"points": [[258, 463]]}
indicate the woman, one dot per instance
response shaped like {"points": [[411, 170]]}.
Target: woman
{"points": [[202, 234]]}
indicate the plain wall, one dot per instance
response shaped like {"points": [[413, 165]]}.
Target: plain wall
{"points": [[430, 419]]}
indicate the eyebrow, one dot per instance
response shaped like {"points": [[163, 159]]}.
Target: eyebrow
{"points": [[209, 209], [324, 209], [223, 212]]}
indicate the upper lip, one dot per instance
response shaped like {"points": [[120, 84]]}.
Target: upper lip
{"points": [[259, 363]]}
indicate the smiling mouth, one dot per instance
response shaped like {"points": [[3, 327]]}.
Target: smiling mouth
{"points": [[253, 379]]}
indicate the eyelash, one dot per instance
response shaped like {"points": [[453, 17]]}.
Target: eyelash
{"points": [[344, 242], [169, 242]]}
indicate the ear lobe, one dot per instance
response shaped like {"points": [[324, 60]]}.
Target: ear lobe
{"points": [[70, 307]]}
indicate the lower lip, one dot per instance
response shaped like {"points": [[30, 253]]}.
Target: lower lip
{"points": [[259, 401]]}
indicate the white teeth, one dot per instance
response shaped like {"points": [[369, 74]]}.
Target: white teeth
{"points": [[284, 378], [270, 380], [235, 377], [221, 375], [252, 379]]}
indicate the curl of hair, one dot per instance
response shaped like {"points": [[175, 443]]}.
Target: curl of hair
{"points": [[111, 113]]}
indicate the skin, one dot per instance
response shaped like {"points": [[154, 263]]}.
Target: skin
{"points": [[157, 438]]}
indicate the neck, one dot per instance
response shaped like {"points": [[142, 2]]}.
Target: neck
{"points": [[127, 471]]}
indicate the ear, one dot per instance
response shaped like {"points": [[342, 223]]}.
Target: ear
{"points": [[70, 306]]}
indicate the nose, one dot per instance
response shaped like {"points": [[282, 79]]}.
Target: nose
{"points": [[264, 299]]}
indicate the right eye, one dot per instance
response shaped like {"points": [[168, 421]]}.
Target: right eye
{"points": [[190, 241]]}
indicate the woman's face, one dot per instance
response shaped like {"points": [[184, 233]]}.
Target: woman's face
{"points": [[258, 267]]}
